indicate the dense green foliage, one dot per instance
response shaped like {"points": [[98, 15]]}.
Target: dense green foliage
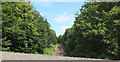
{"points": [[50, 50], [52, 36], [24, 29], [95, 32], [0, 25]]}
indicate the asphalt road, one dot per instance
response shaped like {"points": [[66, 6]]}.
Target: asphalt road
{"points": [[23, 56]]}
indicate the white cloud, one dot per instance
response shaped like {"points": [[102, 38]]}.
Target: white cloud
{"points": [[62, 18], [63, 28], [65, 13], [73, 21], [57, 34], [43, 14]]}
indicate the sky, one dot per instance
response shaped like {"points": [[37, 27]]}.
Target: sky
{"points": [[60, 15]]}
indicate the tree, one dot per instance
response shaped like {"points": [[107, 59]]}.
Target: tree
{"points": [[24, 29], [95, 31], [52, 36], [18, 25], [0, 35]]}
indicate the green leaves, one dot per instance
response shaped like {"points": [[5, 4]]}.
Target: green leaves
{"points": [[95, 32], [50, 50], [24, 29]]}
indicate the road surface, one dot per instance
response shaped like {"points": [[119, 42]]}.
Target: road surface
{"points": [[24, 56]]}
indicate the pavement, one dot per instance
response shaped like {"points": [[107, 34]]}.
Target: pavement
{"points": [[24, 56]]}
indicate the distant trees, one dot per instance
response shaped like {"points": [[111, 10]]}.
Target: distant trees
{"points": [[95, 32], [24, 29], [52, 36]]}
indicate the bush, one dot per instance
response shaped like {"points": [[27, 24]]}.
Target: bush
{"points": [[50, 50]]}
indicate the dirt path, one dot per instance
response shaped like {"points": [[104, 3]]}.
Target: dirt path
{"points": [[58, 51]]}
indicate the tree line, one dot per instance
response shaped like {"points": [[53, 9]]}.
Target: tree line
{"points": [[95, 33], [24, 29]]}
